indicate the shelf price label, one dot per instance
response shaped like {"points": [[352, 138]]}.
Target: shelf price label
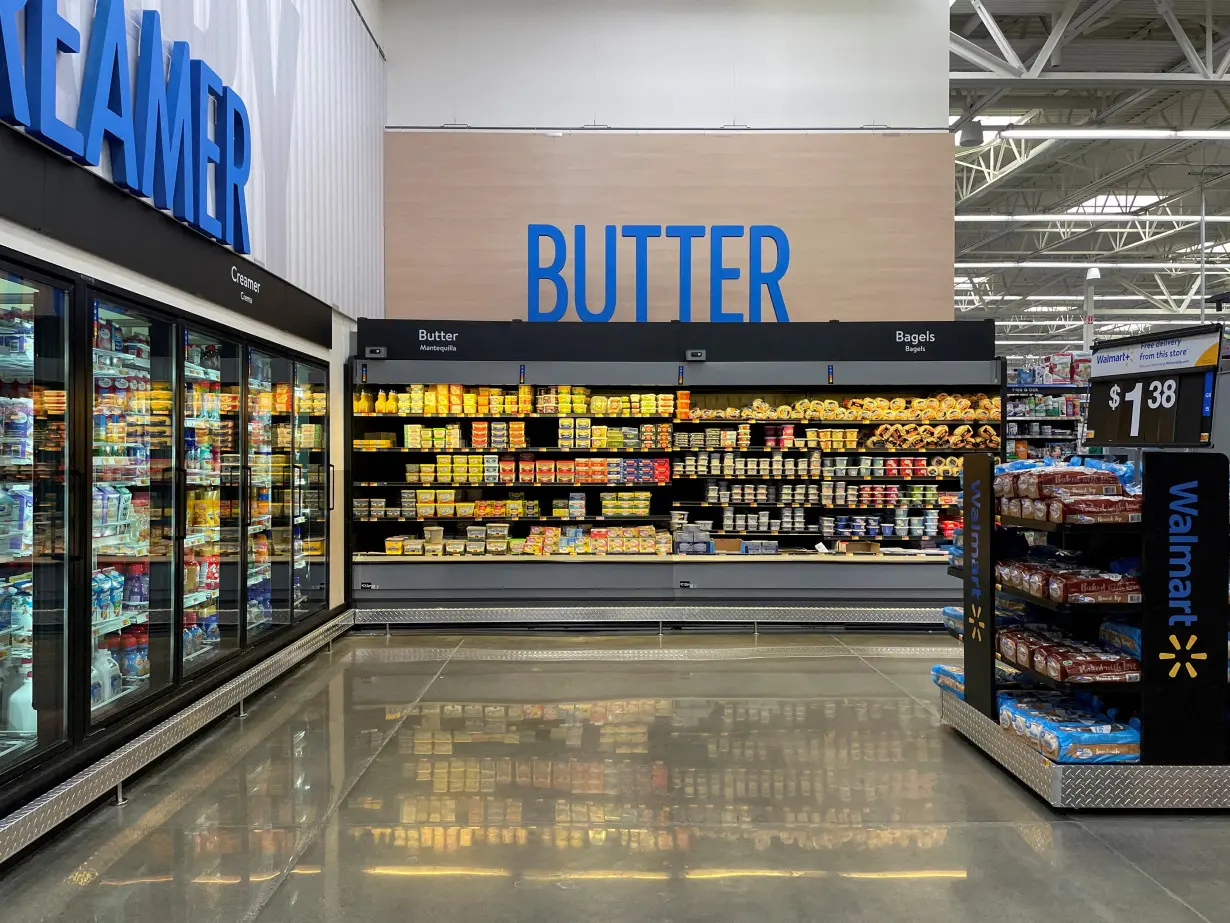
{"points": [[1152, 410]]}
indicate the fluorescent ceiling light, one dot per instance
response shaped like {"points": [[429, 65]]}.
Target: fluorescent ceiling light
{"points": [[1035, 342], [1093, 133], [1082, 265], [1090, 218]]}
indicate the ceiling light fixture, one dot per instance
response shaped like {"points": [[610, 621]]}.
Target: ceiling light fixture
{"points": [[1082, 265], [1086, 218], [1093, 133]]}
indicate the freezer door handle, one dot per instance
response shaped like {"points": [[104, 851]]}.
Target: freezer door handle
{"points": [[181, 488], [331, 473]]}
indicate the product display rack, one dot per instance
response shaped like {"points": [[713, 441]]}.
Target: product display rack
{"points": [[762, 364], [1180, 540], [1044, 420]]}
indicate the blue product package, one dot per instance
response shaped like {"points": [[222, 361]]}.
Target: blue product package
{"points": [[1121, 635], [950, 678], [1064, 732], [954, 619]]}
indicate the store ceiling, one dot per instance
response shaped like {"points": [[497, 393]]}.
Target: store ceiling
{"points": [[1123, 64]]}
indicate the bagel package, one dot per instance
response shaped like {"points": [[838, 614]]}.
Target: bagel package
{"points": [[1090, 510], [1043, 483]]}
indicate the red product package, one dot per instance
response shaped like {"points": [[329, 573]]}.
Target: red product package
{"points": [[1012, 507], [1044, 483], [1088, 665], [1091, 510], [1093, 587]]}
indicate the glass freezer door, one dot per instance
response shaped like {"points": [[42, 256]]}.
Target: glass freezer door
{"points": [[133, 548], [269, 472], [213, 377], [33, 513], [311, 499]]}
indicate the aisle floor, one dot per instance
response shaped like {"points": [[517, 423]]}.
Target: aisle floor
{"points": [[543, 778]]}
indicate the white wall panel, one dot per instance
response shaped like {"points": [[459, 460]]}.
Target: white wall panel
{"points": [[313, 83], [667, 63]]}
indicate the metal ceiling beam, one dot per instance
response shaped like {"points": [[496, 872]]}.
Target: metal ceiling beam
{"points": [[1052, 40], [1001, 40], [980, 57], [1180, 35], [1060, 80]]}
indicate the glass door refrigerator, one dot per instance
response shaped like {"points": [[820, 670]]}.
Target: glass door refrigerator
{"points": [[212, 546], [310, 434], [269, 472], [133, 544], [33, 517]]}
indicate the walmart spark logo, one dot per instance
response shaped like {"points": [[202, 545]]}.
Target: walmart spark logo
{"points": [[1182, 655], [976, 625]]}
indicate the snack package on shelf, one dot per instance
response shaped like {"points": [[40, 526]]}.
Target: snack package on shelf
{"points": [[1066, 732], [952, 678], [1092, 510]]}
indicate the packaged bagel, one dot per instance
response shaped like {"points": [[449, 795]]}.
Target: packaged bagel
{"points": [[1090, 510], [1044, 483]]}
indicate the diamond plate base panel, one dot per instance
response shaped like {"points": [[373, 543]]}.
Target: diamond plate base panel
{"points": [[1132, 787], [400, 654], [21, 828], [830, 615], [1021, 760], [1092, 787]]}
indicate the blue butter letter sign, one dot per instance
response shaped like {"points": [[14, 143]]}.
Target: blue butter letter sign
{"points": [[719, 273], [552, 274], [578, 270], [163, 122], [106, 101], [756, 276]]}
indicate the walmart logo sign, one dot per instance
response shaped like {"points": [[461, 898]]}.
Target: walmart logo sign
{"points": [[182, 141]]}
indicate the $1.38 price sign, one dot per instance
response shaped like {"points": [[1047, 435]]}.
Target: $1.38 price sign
{"points": [[1172, 409]]}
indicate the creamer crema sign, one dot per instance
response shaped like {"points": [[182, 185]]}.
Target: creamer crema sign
{"points": [[182, 138], [550, 253]]}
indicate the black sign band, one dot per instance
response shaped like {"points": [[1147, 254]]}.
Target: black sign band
{"points": [[1184, 620]]}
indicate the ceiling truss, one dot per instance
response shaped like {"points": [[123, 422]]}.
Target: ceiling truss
{"points": [[1113, 63]]}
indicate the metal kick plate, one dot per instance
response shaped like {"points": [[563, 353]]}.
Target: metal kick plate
{"points": [[467, 652], [1119, 786], [21, 828], [830, 615], [1016, 756]]}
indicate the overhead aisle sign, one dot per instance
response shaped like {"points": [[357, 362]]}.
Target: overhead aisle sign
{"points": [[1155, 390]]}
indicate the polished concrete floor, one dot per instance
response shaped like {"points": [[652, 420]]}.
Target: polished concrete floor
{"points": [[543, 778]]}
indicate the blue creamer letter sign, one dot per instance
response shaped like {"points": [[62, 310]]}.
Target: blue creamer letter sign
{"points": [[162, 143], [761, 280]]}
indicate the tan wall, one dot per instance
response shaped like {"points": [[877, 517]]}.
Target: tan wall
{"points": [[869, 218]]}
